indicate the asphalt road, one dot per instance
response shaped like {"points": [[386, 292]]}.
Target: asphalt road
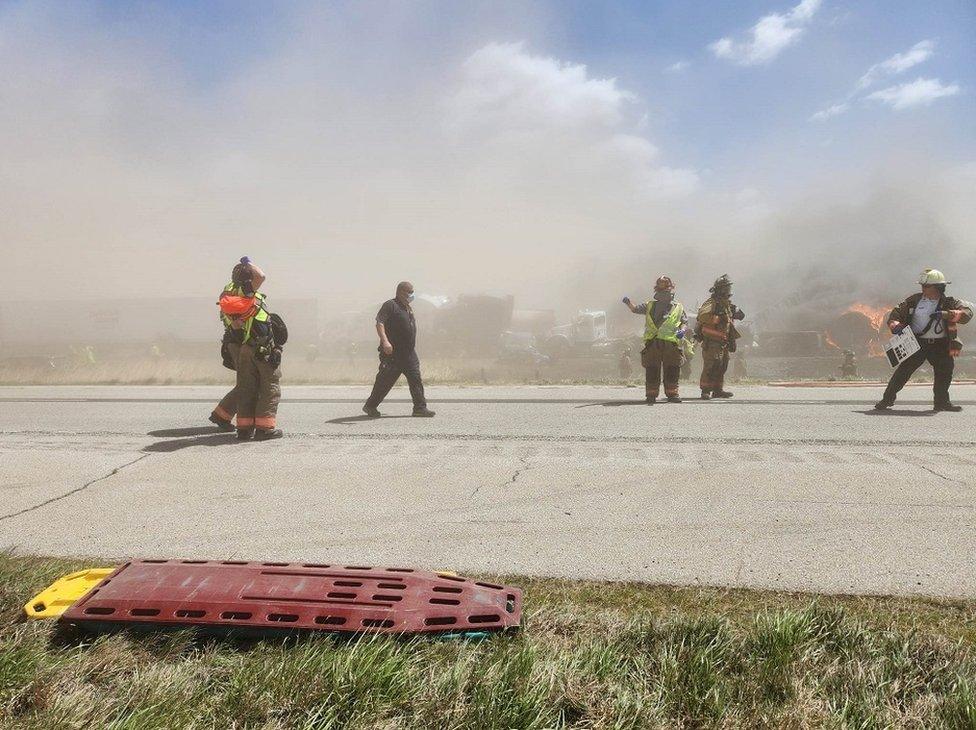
{"points": [[800, 489]]}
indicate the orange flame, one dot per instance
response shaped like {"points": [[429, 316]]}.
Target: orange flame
{"points": [[877, 315]]}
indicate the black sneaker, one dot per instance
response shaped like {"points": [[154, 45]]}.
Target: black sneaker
{"points": [[266, 434], [706, 395], [883, 405], [221, 423], [245, 434], [673, 399], [650, 400], [721, 394], [947, 406], [371, 411], [423, 412]]}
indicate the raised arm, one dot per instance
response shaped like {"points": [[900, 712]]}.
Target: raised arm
{"points": [[257, 276]]}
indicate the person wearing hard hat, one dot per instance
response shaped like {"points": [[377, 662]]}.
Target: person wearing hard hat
{"points": [[261, 336], [934, 318], [665, 326], [245, 280], [715, 329]]}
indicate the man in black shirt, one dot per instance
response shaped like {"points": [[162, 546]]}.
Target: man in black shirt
{"points": [[397, 330]]}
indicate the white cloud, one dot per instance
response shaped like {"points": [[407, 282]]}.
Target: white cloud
{"points": [[504, 84], [542, 113], [831, 111], [769, 36], [678, 66], [920, 92], [898, 63]]}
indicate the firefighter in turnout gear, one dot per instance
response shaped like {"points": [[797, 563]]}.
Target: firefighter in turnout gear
{"points": [[245, 280], [261, 336], [715, 329], [665, 326], [934, 318]]}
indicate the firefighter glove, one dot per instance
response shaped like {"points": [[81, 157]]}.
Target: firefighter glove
{"points": [[274, 358]]}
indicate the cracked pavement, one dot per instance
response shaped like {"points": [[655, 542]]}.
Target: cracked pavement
{"points": [[797, 489]]}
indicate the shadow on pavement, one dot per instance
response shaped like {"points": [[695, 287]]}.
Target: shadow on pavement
{"points": [[616, 403], [346, 420], [184, 432], [910, 414], [729, 402], [213, 439]]}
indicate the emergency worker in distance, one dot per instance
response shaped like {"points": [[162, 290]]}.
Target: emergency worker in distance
{"points": [[258, 363], [715, 329], [665, 326], [245, 280], [934, 318]]}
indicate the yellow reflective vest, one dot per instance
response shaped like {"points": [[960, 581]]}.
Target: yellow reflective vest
{"points": [[668, 331]]}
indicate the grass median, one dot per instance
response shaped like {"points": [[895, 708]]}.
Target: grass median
{"points": [[593, 655]]}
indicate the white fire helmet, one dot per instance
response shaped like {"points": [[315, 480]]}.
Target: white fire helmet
{"points": [[931, 277]]}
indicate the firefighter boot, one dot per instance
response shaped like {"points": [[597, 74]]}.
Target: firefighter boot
{"points": [[222, 424], [947, 406], [266, 434], [245, 434], [674, 399], [883, 405], [721, 394]]}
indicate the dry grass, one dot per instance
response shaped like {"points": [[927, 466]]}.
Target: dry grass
{"points": [[591, 655], [298, 371]]}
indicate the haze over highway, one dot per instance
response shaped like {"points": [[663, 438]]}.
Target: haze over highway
{"points": [[800, 489]]}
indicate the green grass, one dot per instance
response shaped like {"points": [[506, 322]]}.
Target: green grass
{"points": [[591, 655]]}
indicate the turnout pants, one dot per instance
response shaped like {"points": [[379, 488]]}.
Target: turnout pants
{"points": [[258, 391], [715, 356], [936, 352], [659, 357], [227, 407], [391, 368]]}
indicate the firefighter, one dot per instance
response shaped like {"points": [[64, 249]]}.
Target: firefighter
{"points": [[934, 318], [245, 280], [665, 326], [848, 368], [715, 329], [261, 336]]}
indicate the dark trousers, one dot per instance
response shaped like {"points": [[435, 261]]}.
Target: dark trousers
{"points": [[652, 379], [937, 354], [715, 363], [258, 390], [659, 357], [228, 404], [391, 368]]}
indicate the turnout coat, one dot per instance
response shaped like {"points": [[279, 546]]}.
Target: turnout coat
{"points": [[954, 313]]}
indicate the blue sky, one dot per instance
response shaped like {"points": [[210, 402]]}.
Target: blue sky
{"points": [[712, 114], [431, 127]]}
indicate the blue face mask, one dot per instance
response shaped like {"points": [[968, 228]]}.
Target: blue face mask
{"points": [[410, 297]]}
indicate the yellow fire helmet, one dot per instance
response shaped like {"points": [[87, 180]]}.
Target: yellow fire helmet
{"points": [[932, 277]]}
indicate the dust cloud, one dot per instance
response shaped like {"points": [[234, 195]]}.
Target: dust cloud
{"points": [[346, 150]]}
